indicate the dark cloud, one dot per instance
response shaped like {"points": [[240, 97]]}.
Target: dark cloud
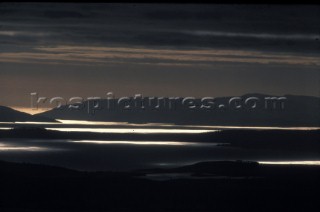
{"points": [[78, 49], [167, 25]]}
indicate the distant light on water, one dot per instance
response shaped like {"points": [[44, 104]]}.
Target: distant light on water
{"points": [[5, 128], [290, 162], [35, 123], [132, 142], [84, 122], [161, 143], [5, 147], [65, 123], [132, 130]]}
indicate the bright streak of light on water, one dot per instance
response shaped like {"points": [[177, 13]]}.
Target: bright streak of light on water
{"points": [[162, 143], [134, 130], [291, 162], [4, 147]]}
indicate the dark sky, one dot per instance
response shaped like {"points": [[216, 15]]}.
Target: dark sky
{"points": [[157, 50]]}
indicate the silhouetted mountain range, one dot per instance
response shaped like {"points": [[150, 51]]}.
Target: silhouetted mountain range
{"points": [[10, 115], [296, 111]]}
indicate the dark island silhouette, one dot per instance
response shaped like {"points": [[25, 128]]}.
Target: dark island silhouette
{"points": [[8, 114]]}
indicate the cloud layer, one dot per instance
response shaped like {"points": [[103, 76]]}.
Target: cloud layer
{"points": [[157, 49]]}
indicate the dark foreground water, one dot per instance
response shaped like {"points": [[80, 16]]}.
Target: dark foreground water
{"points": [[129, 155]]}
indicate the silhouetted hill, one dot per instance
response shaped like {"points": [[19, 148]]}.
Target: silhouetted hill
{"points": [[240, 168], [34, 170], [218, 168], [10, 115], [298, 111]]}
